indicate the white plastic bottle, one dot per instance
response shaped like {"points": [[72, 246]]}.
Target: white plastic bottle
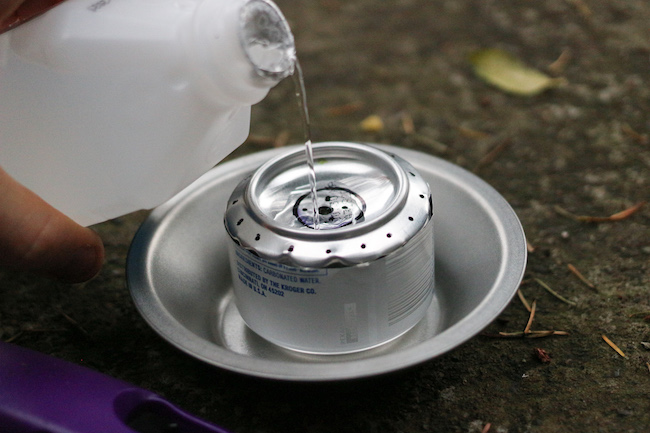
{"points": [[110, 106]]}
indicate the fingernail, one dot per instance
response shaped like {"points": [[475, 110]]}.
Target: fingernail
{"points": [[81, 265]]}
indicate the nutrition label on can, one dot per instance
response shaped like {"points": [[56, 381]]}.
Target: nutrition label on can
{"points": [[272, 279]]}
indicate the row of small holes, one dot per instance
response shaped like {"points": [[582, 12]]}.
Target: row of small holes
{"points": [[363, 246], [257, 237], [328, 251]]}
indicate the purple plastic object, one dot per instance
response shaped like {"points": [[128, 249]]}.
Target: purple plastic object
{"points": [[42, 394]]}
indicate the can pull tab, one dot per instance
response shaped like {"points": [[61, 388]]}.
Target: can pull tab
{"points": [[15, 12]]}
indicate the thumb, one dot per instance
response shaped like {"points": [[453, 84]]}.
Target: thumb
{"points": [[15, 12], [36, 237]]}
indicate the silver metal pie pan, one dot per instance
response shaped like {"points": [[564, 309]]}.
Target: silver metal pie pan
{"points": [[178, 275]]}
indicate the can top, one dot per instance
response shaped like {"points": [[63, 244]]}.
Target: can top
{"points": [[370, 203]]}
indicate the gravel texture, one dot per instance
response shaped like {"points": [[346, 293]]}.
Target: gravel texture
{"points": [[583, 147]]}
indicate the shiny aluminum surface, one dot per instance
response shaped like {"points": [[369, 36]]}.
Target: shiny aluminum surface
{"points": [[179, 277], [364, 278], [388, 204]]}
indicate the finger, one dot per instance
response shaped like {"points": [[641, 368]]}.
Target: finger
{"points": [[15, 12], [8, 7], [36, 237]]}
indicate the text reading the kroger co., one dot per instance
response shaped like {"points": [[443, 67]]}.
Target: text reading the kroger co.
{"points": [[266, 278]]}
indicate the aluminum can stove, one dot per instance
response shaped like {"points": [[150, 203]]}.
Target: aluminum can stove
{"points": [[359, 276]]}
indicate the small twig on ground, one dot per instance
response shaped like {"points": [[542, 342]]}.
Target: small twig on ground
{"points": [[345, 109], [530, 318], [493, 154], [542, 355], [473, 133], [554, 293], [27, 330], [527, 332], [279, 140], [594, 219], [581, 277], [260, 140], [282, 139], [407, 124], [641, 314], [523, 300], [429, 142], [582, 8], [487, 427], [613, 346], [558, 66], [529, 247], [541, 334], [521, 334], [14, 337], [639, 138], [74, 323]]}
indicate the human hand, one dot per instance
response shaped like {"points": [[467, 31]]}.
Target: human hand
{"points": [[33, 235], [36, 237], [16, 12]]}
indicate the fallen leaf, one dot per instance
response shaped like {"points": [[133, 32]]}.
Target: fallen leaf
{"points": [[372, 123], [509, 74]]}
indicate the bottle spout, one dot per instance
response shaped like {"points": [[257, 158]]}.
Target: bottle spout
{"points": [[267, 41]]}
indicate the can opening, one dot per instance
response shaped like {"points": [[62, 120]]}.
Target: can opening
{"points": [[356, 186], [337, 207]]}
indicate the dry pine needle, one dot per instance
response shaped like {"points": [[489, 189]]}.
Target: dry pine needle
{"points": [[613, 346]]}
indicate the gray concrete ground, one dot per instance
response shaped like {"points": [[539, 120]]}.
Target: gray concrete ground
{"points": [[583, 148]]}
